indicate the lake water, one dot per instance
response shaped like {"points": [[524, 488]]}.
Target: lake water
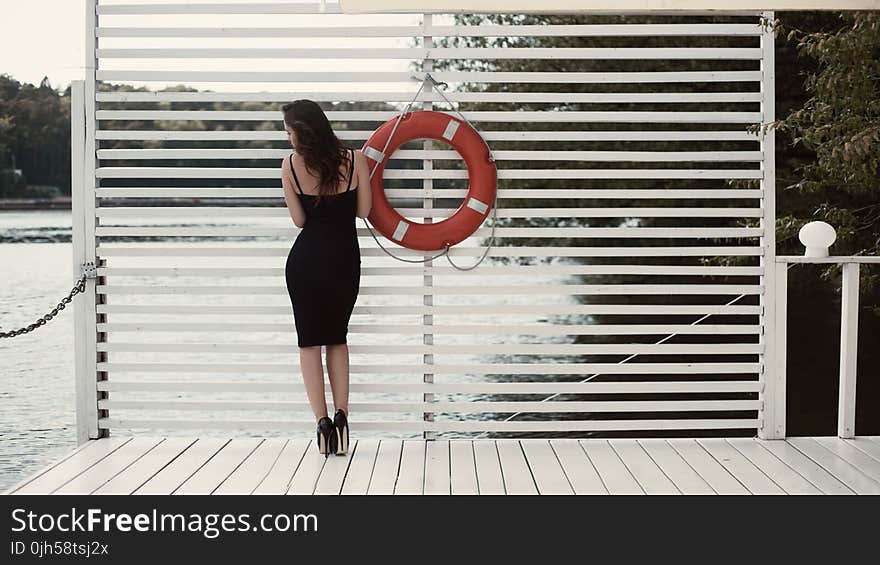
{"points": [[38, 414]]}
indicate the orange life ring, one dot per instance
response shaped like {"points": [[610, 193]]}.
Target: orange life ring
{"points": [[482, 180]]}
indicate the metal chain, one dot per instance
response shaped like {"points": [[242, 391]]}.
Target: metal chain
{"points": [[80, 286], [405, 110]]}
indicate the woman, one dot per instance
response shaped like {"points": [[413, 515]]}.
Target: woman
{"points": [[325, 186]]}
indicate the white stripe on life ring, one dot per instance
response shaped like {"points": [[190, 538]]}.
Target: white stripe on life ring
{"points": [[450, 130], [402, 226], [374, 154], [477, 205]]}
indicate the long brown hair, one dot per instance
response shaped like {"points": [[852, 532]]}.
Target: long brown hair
{"points": [[321, 150]]}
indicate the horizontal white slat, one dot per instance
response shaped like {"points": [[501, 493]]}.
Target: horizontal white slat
{"points": [[461, 329], [217, 8], [460, 193], [417, 269], [590, 387], [194, 76], [204, 211], [586, 30], [544, 349], [500, 233], [108, 250], [441, 310], [416, 426], [402, 31], [501, 155], [402, 290], [429, 96], [436, 53], [488, 135], [828, 259], [549, 116], [503, 174], [471, 407]]}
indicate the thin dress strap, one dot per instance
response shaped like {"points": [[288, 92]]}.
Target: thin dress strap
{"points": [[294, 175], [350, 170]]}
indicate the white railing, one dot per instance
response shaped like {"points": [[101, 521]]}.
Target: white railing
{"points": [[774, 394], [425, 356]]}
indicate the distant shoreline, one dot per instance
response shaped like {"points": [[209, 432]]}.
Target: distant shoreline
{"points": [[59, 203]]}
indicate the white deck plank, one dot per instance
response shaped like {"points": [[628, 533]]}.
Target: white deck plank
{"points": [[844, 471], [411, 477], [787, 478], [614, 474], [490, 479], [582, 476], [437, 469], [650, 476], [809, 469], [387, 465], [178, 471], [146, 467], [676, 468], [111, 466], [219, 467], [72, 466], [306, 476], [549, 476], [277, 481], [726, 465], [360, 470], [463, 467], [866, 445], [852, 455], [518, 477], [254, 469], [333, 474], [748, 474], [55, 462], [718, 477]]}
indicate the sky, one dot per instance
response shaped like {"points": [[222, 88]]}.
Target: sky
{"points": [[47, 38], [43, 38]]}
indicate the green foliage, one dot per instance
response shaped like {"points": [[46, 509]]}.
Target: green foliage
{"points": [[35, 127], [839, 126]]}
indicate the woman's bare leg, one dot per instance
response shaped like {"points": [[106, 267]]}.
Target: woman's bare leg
{"points": [[313, 377], [337, 367]]}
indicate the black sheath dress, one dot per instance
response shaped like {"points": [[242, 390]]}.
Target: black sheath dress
{"points": [[323, 267]]}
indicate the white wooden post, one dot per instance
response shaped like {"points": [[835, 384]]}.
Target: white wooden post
{"points": [[772, 424], [82, 115], [428, 186], [776, 376], [849, 337]]}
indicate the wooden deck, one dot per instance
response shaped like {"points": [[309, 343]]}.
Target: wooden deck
{"points": [[178, 465]]}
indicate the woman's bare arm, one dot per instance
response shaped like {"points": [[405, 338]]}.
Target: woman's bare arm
{"points": [[365, 191], [297, 214]]}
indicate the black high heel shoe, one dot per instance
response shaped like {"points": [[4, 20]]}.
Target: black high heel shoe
{"points": [[326, 437], [340, 423]]}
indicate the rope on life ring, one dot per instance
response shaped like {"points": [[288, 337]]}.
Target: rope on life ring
{"points": [[481, 196], [482, 180]]}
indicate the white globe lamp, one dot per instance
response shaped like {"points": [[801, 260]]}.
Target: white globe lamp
{"points": [[817, 237]]}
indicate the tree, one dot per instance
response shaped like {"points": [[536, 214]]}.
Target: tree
{"points": [[839, 126]]}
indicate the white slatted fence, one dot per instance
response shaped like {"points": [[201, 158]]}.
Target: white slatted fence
{"points": [[194, 326]]}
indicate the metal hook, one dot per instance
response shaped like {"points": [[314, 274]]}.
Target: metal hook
{"points": [[436, 82]]}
